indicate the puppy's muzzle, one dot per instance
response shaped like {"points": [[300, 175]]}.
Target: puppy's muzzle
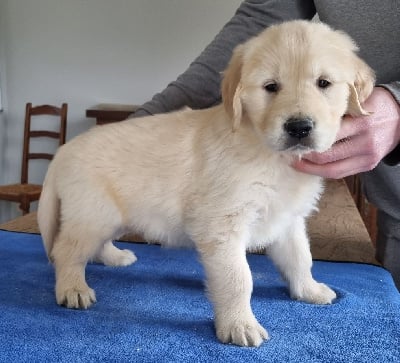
{"points": [[298, 128]]}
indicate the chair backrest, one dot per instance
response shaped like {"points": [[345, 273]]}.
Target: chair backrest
{"points": [[61, 115]]}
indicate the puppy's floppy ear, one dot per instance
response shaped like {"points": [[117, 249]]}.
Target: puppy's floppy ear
{"points": [[361, 88], [231, 87]]}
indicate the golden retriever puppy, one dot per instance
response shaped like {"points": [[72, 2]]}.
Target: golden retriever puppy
{"points": [[219, 178]]}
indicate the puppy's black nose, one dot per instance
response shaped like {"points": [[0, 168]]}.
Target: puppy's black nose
{"points": [[298, 127]]}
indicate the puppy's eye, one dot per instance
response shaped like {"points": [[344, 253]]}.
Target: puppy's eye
{"points": [[323, 83], [271, 87]]}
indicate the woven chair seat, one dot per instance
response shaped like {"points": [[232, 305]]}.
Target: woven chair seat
{"points": [[14, 192]]}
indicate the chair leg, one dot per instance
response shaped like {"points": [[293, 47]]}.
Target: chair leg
{"points": [[24, 205]]}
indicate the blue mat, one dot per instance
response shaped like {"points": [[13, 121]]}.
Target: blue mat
{"points": [[156, 311]]}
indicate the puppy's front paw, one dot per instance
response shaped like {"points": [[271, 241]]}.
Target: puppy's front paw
{"points": [[316, 293], [247, 333], [76, 298]]}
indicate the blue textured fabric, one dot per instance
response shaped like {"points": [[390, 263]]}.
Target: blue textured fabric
{"points": [[156, 311]]}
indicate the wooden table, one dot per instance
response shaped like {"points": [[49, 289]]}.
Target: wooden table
{"points": [[105, 113]]}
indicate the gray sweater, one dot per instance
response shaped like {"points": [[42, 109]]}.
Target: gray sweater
{"points": [[375, 27]]}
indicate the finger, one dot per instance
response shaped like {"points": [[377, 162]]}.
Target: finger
{"points": [[335, 170], [351, 126], [347, 148]]}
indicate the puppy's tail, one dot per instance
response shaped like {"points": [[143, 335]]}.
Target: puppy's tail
{"points": [[49, 211]]}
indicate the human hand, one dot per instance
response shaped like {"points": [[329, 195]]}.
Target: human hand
{"points": [[362, 142]]}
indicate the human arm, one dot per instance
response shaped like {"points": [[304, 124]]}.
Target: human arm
{"points": [[362, 141], [199, 86]]}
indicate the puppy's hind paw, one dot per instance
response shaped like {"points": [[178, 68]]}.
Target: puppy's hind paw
{"points": [[242, 333], [113, 256], [122, 258], [316, 293]]}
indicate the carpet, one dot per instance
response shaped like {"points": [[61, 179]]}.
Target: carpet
{"points": [[156, 311]]}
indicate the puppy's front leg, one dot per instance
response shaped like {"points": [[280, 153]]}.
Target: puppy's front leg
{"points": [[293, 258], [230, 285]]}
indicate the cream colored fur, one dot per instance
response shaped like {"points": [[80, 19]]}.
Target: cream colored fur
{"points": [[218, 178]]}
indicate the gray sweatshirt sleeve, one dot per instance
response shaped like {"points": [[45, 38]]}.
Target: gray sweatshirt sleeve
{"points": [[393, 158], [199, 86]]}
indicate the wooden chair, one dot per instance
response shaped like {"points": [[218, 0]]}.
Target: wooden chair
{"points": [[367, 210], [25, 193]]}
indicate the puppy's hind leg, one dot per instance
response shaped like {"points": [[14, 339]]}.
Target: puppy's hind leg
{"points": [[293, 258], [73, 248], [113, 256]]}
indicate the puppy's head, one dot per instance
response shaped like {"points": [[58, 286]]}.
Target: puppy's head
{"points": [[293, 83]]}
